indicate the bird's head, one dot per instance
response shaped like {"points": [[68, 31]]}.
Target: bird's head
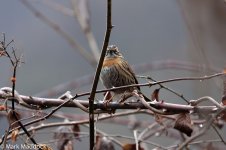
{"points": [[113, 52]]}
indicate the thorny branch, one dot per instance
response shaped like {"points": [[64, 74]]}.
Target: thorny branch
{"points": [[15, 61]]}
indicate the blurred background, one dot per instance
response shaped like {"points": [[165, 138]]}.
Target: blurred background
{"points": [[163, 39]]}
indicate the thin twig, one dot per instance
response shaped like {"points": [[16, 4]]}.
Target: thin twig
{"points": [[196, 142], [107, 135], [74, 84], [5, 139], [68, 95], [222, 139], [132, 138], [172, 80], [206, 98], [75, 12], [61, 32], [97, 74], [136, 139], [195, 36], [141, 98], [141, 135], [167, 88], [49, 114], [84, 121], [13, 104], [14, 62], [156, 83], [84, 22], [58, 7]]}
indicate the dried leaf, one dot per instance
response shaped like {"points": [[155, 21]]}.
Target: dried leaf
{"points": [[107, 96], [2, 107], [223, 116], [13, 121], [225, 71], [223, 100], [155, 95], [63, 136], [2, 53], [76, 131], [158, 119], [14, 135], [82, 13], [183, 124], [103, 143], [131, 147], [13, 79], [218, 123]]}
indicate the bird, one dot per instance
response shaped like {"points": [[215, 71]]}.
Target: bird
{"points": [[117, 72]]}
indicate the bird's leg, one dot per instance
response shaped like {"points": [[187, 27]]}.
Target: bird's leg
{"points": [[135, 93], [107, 99], [125, 96]]}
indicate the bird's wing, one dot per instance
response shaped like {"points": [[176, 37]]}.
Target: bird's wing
{"points": [[128, 70]]}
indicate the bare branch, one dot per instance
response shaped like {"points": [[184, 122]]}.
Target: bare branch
{"points": [[15, 60], [60, 31], [85, 121], [97, 74], [205, 98], [165, 87], [141, 98], [81, 12], [48, 102], [58, 7]]}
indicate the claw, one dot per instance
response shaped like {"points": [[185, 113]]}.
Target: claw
{"points": [[106, 102]]}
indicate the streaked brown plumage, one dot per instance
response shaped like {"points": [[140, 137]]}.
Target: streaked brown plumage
{"points": [[117, 72]]}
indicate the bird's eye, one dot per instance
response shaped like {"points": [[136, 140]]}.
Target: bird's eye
{"points": [[117, 53]]}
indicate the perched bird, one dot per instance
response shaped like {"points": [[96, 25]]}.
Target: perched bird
{"points": [[117, 72]]}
